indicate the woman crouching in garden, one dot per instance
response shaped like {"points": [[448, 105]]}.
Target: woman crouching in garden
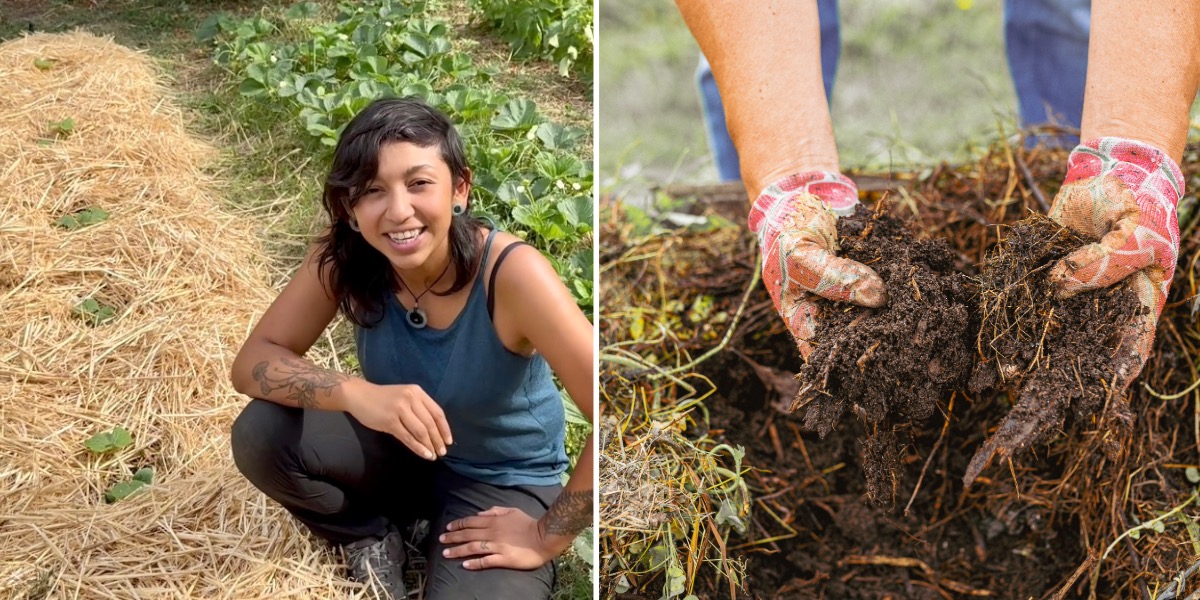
{"points": [[456, 419]]}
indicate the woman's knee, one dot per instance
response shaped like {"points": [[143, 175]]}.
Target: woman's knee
{"points": [[261, 439]]}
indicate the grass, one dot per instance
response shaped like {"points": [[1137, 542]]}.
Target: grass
{"points": [[917, 83], [267, 171]]}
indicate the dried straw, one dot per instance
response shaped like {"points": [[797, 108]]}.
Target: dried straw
{"points": [[187, 281]]}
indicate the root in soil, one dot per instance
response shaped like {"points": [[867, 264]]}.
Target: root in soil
{"points": [[1061, 354], [889, 365]]}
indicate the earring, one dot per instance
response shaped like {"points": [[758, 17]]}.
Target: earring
{"points": [[458, 209], [353, 224]]}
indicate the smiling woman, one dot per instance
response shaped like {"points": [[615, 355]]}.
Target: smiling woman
{"points": [[456, 418]]}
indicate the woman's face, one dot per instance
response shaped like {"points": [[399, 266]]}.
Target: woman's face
{"points": [[405, 211]]}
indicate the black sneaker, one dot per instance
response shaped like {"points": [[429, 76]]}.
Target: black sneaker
{"points": [[379, 564]]}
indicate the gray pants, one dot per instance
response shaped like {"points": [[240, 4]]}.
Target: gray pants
{"points": [[346, 482]]}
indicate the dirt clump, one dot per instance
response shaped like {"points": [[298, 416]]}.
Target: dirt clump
{"points": [[889, 365], [1058, 357]]}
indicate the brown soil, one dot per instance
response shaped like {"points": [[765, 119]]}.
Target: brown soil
{"points": [[1058, 357], [1028, 528], [889, 365]]}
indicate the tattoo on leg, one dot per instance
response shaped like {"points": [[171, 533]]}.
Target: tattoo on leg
{"points": [[300, 379], [570, 513]]}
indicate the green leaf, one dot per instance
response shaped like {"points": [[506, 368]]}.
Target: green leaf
{"points": [[1192, 474], [577, 210], [45, 64], [1158, 526], [144, 475], [674, 585], [728, 514], [516, 114], [99, 443], [252, 87], [557, 137], [123, 490], [303, 10], [583, 545], [88, 216], [121, 437], [657, 557], [63, 127], [1135, 534], [94, 313], [622, 585]]}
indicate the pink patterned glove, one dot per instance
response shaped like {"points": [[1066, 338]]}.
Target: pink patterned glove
{"points": [[796, 222], [1125, 193]]}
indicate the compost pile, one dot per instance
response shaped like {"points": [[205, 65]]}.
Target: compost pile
{"points": [[1054, 514]]}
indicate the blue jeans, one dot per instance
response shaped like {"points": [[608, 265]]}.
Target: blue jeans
{"points": [[1046, 43]]}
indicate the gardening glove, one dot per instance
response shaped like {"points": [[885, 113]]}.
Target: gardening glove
{"points": [[1125, 193], [796, 222]]}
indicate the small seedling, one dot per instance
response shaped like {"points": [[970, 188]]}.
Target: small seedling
{"points": [[63, 128], [88, 216], [45, 64], [125, 489], [94, 313], [144, 475], [104, 441]]}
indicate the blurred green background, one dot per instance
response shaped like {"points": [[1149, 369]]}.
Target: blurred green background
{"points": [[918, 82]]}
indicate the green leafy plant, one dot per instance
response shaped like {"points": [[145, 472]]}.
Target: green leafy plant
{"points": [[94, 313], [559, 31], [105, 441], [62, 128], [124, 489], [88, 216]]}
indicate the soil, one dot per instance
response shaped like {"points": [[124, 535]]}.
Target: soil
{"points": [[1060, 356], [889, 365]]}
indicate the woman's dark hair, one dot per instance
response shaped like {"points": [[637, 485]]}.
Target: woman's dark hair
{"points": [[360, 276]]}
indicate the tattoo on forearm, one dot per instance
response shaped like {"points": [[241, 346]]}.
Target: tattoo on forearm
{"points": [[301, 380], [570, 513]]}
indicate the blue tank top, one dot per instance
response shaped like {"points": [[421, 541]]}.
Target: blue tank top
{"points": [[504, 411]]}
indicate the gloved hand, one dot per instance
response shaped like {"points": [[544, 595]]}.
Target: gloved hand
{"points": [[1125, 193], [796, 222]]}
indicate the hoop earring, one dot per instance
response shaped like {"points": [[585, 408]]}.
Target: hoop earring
{"points": [[458, 209], [353, 224]]}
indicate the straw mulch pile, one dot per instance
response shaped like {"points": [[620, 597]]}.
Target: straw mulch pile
{"points": [[1064, 519], [186, 281]]}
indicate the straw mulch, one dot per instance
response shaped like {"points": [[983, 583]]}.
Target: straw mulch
{"points": [[186, 280]]}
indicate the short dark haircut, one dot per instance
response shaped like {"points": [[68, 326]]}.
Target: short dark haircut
{"points": [[360, 276]]}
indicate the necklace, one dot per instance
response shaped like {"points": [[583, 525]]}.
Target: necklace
{"points": [[416, 317]]}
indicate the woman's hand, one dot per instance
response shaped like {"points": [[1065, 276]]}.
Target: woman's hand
{"points": [[1123, 192], [500, 537], [796, 222], [406, 412]]}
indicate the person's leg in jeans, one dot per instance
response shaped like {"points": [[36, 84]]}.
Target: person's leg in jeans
{"points": [[463, 497], [339, 478], [1047, 44], [720, 144]]}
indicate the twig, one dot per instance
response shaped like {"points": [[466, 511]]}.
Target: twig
{"points": [[1062, 592], [936, 446], [1033, 187]]}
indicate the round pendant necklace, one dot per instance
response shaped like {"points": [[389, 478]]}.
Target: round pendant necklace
{"points": [[415, 316]]}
